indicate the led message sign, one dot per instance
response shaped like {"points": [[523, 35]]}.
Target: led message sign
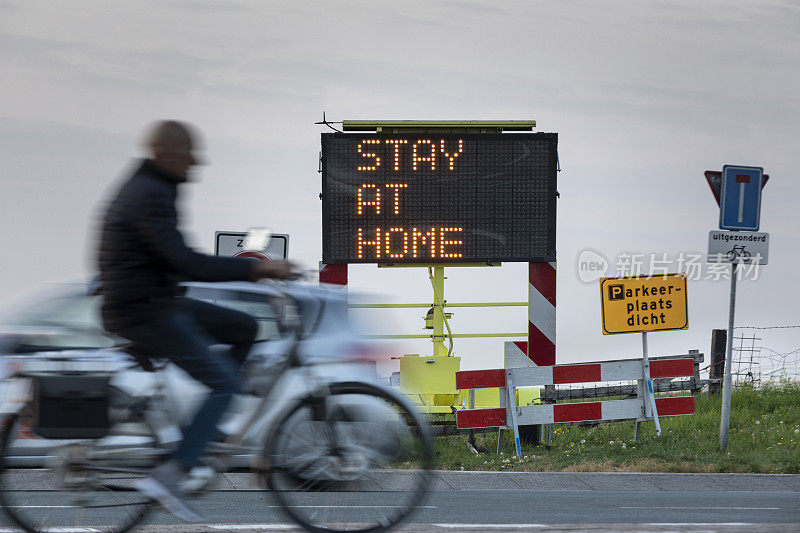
{"points": [[438, 197]]}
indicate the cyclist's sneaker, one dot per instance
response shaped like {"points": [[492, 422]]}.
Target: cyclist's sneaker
{"points": [[163, 486], [197, 479]]}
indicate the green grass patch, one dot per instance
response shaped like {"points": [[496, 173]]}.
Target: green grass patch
{"points": [[764, 438]]}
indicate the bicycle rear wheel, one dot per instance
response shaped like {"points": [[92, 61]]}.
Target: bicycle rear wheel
{"points": [[71, 494], [358, 459]]}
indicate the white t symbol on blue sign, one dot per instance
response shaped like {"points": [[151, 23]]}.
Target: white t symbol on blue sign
{"points": [[740, 198]]}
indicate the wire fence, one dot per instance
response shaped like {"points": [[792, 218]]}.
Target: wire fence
{"points": [[756, 363]]}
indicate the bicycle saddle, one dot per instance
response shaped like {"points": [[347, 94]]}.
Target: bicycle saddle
{"points": [[143, 356]]}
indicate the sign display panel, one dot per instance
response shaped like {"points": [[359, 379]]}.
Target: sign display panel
{"points": [[438, 197], [234, 244], [644, 303]]}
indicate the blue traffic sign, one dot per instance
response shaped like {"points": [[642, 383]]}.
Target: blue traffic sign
{"points": [[740, 198]]}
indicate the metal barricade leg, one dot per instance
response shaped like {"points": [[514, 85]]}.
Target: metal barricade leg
{"points": [[512, 411]]}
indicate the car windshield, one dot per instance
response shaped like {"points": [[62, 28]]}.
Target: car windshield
{"points": [[73, 321], [78, 311], [257, 305], [60, 323]]}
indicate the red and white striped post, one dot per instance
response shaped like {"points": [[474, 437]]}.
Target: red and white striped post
{"points": [[542, 313], [333, 274], [542, 320]]}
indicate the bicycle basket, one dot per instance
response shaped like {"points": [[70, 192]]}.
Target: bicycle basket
{"points": [[71, 406]]}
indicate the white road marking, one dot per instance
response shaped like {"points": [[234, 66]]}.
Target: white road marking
{"points": [[272, 506], [703, 507], [58, 530], [351, 506], [234, 527], [700, 524], [253, 526], [276, 527], [47, 507], [70, 530], [490, 526]]}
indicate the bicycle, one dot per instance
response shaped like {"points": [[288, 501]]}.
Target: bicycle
{"points": [[339, 441], [738, 251]]}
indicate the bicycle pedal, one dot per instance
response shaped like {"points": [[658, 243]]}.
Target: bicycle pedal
{"points": [[74, 480], [212, 461], [221, 447], [353, 466], [198, 478]]}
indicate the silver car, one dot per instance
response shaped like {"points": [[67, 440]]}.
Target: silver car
{"points": [[66, 328]]}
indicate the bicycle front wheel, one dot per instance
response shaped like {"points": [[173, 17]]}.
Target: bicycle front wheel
{"points": [[76, 491], [357, 459]]}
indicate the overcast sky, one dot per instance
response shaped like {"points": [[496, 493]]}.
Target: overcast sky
{"points": [[645, 96]]}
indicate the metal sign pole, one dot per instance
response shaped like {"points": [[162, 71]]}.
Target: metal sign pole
{"points": [[649, 384], [725, 421], [437, 281]]}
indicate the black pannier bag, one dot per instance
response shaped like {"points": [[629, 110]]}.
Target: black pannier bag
{"points": [[71, 406]]}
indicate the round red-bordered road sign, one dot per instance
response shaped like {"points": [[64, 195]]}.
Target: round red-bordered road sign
{"points": [[251, 254]]}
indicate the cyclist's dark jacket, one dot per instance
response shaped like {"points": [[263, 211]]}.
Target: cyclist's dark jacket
{"points": [[142, 255]]}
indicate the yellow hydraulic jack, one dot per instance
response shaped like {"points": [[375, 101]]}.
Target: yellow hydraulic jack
{"points": [[432, 379]]}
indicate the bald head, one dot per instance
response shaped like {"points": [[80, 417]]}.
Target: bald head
{"points": [[170, 144]]}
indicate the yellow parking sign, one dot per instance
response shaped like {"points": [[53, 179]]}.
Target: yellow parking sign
{"points": [[644, 303]]}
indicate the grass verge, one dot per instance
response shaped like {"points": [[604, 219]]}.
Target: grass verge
{"points": [[764, 438]]}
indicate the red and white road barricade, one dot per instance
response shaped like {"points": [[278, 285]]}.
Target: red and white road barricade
{"points": [[509, 416], [515, 354]]}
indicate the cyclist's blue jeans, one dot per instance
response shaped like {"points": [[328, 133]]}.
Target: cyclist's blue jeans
{"points": [[183, 333]]}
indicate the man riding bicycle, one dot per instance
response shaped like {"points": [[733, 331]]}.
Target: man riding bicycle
{"points": [[142, 257]]}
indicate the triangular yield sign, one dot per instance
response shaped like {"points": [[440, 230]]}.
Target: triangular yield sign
{"points": [[714, 179]]}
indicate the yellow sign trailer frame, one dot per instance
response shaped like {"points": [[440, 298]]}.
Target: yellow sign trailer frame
{"points": [[431, 380], [438, 385]]}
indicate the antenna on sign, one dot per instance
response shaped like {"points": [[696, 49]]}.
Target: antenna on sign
{"points": [[325, 122]]}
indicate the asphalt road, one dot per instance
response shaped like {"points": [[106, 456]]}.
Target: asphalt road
{"points": [[536, 502]]}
